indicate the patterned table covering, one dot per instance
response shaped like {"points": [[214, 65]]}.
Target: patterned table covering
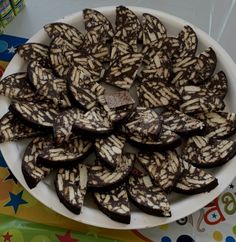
{"points": [[24, 219]]}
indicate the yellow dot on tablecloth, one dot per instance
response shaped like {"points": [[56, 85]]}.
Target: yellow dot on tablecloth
{"points": [[234, 229], [164, 227], [40, 238], [217, 235]]}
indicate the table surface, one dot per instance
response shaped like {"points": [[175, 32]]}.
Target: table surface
{"points": [[216, 17]]}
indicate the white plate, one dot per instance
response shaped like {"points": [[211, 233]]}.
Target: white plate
{"points": [[180, 205]]}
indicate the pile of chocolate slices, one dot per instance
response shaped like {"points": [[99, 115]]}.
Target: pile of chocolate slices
{"points": [[66, 103]]}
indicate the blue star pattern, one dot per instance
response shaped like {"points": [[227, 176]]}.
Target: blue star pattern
{"points": [[214, 216], [8, 45], [2, 161], [16, 200]]}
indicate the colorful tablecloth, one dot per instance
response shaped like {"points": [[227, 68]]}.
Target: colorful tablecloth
{"points": [[24, 219]]}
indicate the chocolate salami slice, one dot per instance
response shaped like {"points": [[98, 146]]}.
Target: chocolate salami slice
{"points": [[95, 122], [64, 155], [66, 31], [185, 72], [206, 65], [63, 124], [171, 46], [100, 178], [12, 129], [71, 187], [110, 149], [153, 30], [166, 140], [48, 85], [189, 43], [16, 86], [155, 93], [194, 180], [126, 17], [118, 105], [163, 168], [34, 173], [97, 22], [198, 99], [95, 47], [218, 125], [38, 115], [34, 52], [144, 123], [205, 153], [86, 63], [159, 67], [83, 89], [58, 60], [148, 197], [119, 48], [181, 123], [115, 204], [218, 84], [123, 71]]}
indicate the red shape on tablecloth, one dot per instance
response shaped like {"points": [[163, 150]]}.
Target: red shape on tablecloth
{"points": [[66, 237], [7, 237], [214, 207]]}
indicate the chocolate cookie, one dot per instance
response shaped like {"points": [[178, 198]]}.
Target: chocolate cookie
{"points": [[101, 179], [181, 123], [144, 123], [185, 71], [194, 180], [86, 63], [158, 67], [123, 71], [95, 21], [98, 49], [58, 61], [12, 129], [189, 43], [218, 125], [65, 31], [34, 52], [148, 197], [38, 115], [110, 149], [83, 89], [166, 140], [34, 173], [71, 186], [217, 84], [119, 48], [155, 93], [118, 106], [16, 86], [153, 30], [115, 204], [206, 65], [163, 168], [127, 20], [198, 99], [63, 123], [48, 85], [205, 153], [65, 155], [95, 122]]}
